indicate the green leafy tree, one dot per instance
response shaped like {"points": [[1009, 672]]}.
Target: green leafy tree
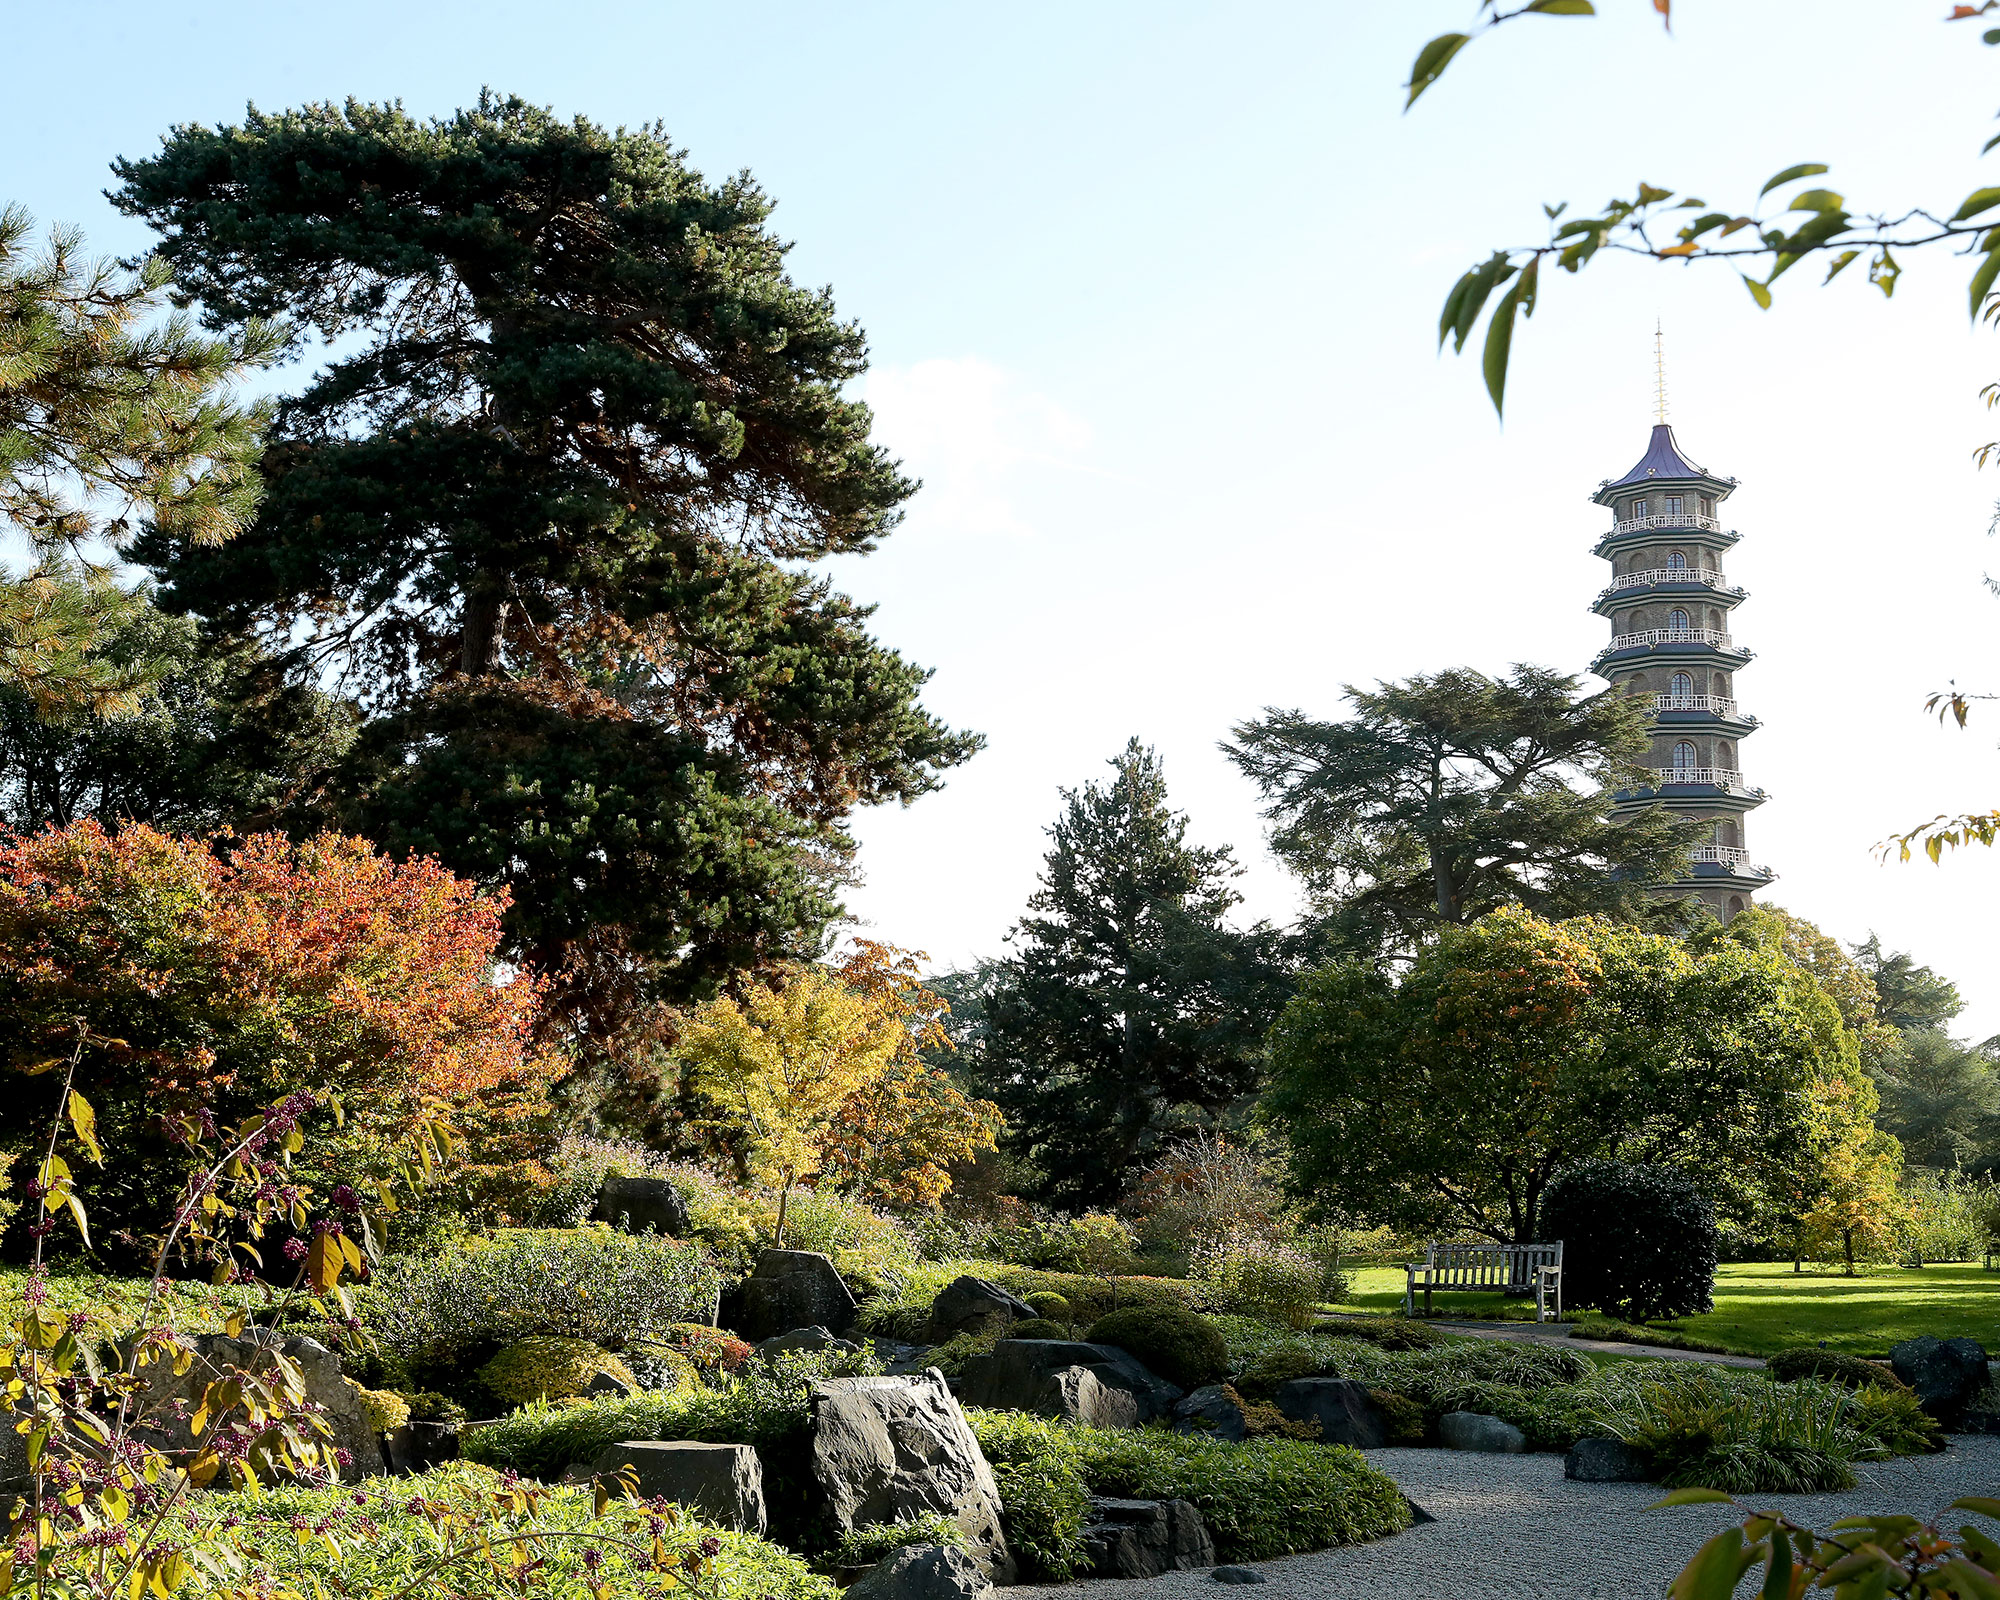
{"points": [[547, 510], [218, 738], [108, 414], [1450, 1097], [1130, 1011], [1941, 1099], [1447, 796], [1910, 996]]}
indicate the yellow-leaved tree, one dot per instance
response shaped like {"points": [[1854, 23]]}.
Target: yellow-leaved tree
{"points": [[785, 1061]]}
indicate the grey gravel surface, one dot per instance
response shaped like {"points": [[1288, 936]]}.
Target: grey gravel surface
{"points": [[1513, 1528]]}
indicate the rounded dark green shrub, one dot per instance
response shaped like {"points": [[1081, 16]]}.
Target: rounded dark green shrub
{"points": [[1386, 1333], [1402, 1417], [1047, 1304], [1037, 1328], [1180, 1346], [1788, 1366], [1260, 1380], [1638, 1241]]}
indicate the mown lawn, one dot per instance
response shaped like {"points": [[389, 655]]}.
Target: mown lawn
{"points": [[1765, 1307]]}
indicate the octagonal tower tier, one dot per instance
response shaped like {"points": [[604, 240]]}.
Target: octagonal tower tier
{"points": [[1669, 606]]}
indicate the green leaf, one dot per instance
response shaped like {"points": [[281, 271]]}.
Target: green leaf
{"points": [[1487, 277], [1500, 334], [1984, 1505], [84, 1121], [1970, 1582], [1758, 292], [1778, 1574], [1981, 286], [1561, 8], [1431, 62], [1979, 200], [1716, 1566], [1693, 1497], [1648, 195], [1805, 169], [1816, 200], [1883, 272], [1845, 258]]}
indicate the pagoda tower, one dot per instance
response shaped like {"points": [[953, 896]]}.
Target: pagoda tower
{"points": [[1669, 605]]}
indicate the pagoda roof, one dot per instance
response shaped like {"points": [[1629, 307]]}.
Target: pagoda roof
{"points": [[1663, 459]]}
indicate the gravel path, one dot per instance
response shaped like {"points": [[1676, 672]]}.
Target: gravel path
{"points": [[1513, 1528]]}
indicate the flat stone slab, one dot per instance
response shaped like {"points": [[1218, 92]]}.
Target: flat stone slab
{"points": [[723, 1482], [1513, 1528]]}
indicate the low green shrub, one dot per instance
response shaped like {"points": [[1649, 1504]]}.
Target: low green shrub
{"points": [[1273, 1282], [900, 1305], [1261, 1498], [383, 1522], [1385, 1333], [1895, 1419], [1044, 1303], [1044, 1496], [1038, 1328], [427, 1405], [860, 1547], [1262, 1378], [1787, 1366], [1181, 1346], [1792, 1438], [1610, 1330], [542, 1368], [768, 1404], [1403, 1420]]}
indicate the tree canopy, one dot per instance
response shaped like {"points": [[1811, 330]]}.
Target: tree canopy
{"points": [[109, 415], [1447, 796], [545, 511], [1130, 1010], [1450, 1097]]}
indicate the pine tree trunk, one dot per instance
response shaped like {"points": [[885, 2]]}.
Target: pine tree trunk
{"points": [[479, 636]]}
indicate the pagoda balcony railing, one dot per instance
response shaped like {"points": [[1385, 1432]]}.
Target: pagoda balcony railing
{"points": [[1669, 519], [1632, 641], [1706, 576], [1714, 704], [1705, 777], [1729, 855]]}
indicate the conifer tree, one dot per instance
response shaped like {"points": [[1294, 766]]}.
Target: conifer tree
{"points": [[547, 512], [1130, 1010]]}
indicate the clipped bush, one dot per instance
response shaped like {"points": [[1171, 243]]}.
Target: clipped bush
{"points": [[427, 1405], [589, 1283], [1385, 1333], [1181, 1346], [549, 1369], [1788, 1366], [1638, 1241], [1046, 1303], [1261, 1498], [385, 1410], [711, 1352], [1403, 1420], [1276, 1283], [1037, 1328]]}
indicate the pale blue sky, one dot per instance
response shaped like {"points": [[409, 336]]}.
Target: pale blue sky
{"points": [[1151, 291]]}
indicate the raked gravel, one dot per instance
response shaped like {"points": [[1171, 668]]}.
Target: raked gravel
{"points": [[1512, 1527]]}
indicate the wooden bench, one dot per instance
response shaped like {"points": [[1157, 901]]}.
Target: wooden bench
{"points": [[1535, 1269]]}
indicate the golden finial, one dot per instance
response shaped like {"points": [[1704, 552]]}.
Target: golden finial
{"points": [[1659, 374]]}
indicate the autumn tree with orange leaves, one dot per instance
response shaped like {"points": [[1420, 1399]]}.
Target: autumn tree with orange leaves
{"points": [[211, 982]]}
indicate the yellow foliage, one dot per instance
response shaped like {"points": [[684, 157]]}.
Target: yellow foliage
{"points": [[545, 1368]]}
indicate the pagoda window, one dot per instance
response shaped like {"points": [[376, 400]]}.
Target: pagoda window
{"points": [[1673, 505], [1683, 686], [1686, 757], [1677, 620], [1677, 561], [1638, 508]]}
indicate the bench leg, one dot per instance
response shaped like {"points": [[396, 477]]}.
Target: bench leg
{"points": [[1427, 1299]]}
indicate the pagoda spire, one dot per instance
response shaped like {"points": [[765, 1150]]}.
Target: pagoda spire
{"points": [[1669, 607]]}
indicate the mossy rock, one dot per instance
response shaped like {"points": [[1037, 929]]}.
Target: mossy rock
{"points": [[546, 1368], [1181, 1346]]}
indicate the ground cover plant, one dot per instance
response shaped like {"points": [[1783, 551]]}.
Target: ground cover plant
{"points": [[1261, 1498], [902, 1304]]}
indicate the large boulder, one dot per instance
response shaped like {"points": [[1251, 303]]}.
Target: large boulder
{"points": [[1948, 1374], [1018, 1374], [922, 1572], [885, 1449], [338, 1401], [1605, 1461], [972, 1305], [723, 1482], [812, 1340], [789, 1289], [1080, 1396], [641, 1205], [1475, 1430], [1144, 1538], [1211, 1410], [1345, 1411]]}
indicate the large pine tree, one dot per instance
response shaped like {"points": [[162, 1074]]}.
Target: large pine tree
{"points": [[1130, 1009], [546, 511]]}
